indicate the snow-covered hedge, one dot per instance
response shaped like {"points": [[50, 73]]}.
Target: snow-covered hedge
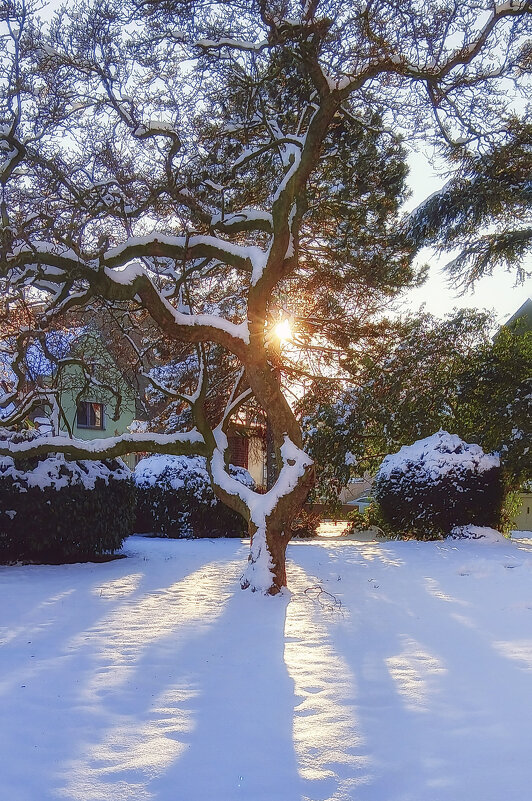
{"points": [[175, 499], [428, 488], [55, 510]]}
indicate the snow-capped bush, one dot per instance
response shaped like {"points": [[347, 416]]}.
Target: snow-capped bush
{"points": [[175, 498], [438, 483], [55, 510]]}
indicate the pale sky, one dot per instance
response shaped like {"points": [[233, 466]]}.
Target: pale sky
{"points": [[497, 292]]}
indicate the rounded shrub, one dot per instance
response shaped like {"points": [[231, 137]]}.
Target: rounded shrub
{"points": [[175, 499], [428, 488], [55, 510], [306, 524]]}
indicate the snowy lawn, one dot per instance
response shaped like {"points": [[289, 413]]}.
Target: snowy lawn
{"points": [[155, 677]]}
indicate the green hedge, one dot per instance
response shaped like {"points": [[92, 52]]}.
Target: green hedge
{"points": [[175, 499], [55, 511]]}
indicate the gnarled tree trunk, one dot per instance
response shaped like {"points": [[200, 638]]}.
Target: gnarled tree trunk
{"points": [[269, 515], [266, 570]]}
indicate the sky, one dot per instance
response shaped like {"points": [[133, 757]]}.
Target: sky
{"points": [[497, 292]]}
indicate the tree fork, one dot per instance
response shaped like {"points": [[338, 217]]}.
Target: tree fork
{"points": [[278, 532]]}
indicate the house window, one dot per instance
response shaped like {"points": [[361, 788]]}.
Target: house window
{"points": [[90, 415]]}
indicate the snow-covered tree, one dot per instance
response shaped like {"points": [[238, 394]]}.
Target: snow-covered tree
{"points": [[494, 402], [215, 167], [405, 388]]}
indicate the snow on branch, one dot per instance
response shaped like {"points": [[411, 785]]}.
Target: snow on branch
{"points": [[235, 403], [118, 277], [285, 144], [248, 258], [234, 44], [466, 54], [245, 220], [434, 70], [136, 282], [295, 463], [191, 443], [52, 255]]}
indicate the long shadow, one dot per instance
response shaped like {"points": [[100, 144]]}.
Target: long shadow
{"points": [[56, 609], [83, 646], [332, 756], [436, 724], [241, 743], [140, 698], [240, 700], [178, 685]]}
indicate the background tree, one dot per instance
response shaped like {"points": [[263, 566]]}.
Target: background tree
{"points": [[450, 374], [212, 166], [485, 210], [494, 402]]}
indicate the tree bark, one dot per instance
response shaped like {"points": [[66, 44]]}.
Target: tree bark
{"points": [[271, 535]]}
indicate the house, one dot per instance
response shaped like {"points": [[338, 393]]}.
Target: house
{"points": [[521, 321], [77, 383], [357, 488], [523, 521], [95, 398]]}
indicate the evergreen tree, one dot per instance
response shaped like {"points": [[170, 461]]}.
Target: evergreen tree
{"points": [[484, 210]]}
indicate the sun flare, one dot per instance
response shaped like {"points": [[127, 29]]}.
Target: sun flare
{"points": [[283, 331]]}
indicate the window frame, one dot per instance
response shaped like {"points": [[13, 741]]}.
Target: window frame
{"points": [[91, 406]]}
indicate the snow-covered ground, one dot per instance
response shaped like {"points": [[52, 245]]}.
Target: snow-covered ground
{"points": [[395, 671]]}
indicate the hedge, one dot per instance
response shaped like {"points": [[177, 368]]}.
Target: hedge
{"points": [[55, 510], [175, 499]]}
